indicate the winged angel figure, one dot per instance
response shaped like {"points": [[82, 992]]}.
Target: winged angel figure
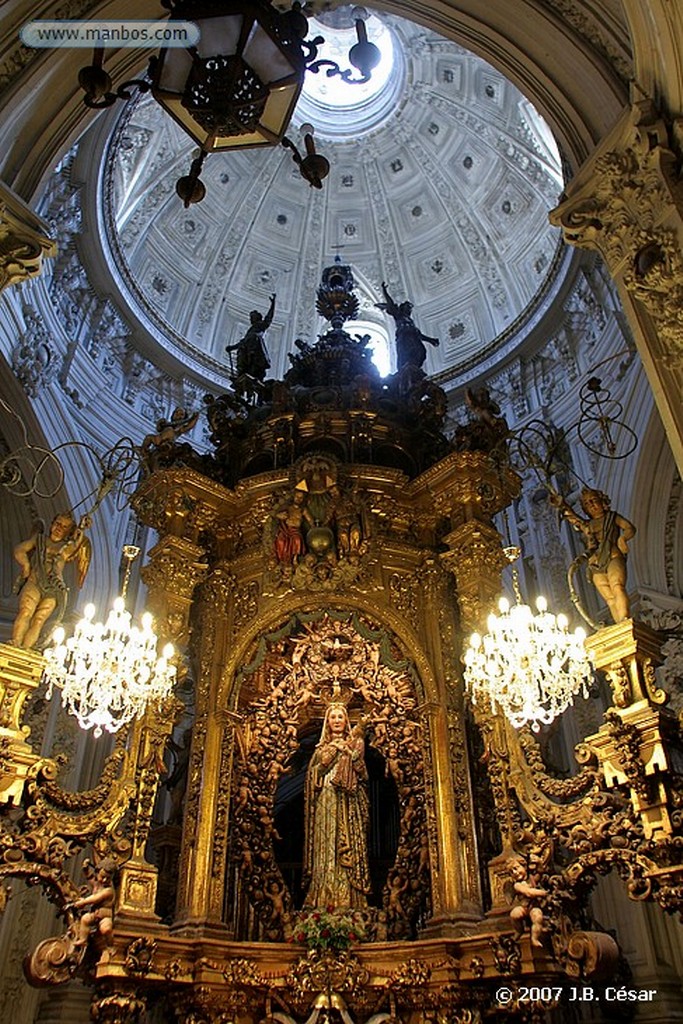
{"points": [[41, 587]]}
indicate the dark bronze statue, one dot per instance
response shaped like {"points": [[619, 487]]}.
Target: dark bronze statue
{"points": [[252, 356], [410, 350]]}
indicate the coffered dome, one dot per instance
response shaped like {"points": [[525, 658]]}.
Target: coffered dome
{"points": [[442, 177]]}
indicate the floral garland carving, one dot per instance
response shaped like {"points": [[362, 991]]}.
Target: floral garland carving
{"points": [[561, 789]]}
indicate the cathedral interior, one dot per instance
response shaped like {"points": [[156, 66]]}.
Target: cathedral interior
{"points": [[316, 404]]}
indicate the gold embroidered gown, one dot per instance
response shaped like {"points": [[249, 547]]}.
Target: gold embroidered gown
{"points": [[336, 855]]}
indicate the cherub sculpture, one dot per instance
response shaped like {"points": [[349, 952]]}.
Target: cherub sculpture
{"points": [[526, 908], [157, 447], [56, 960], [98, 906], [606, 535], [410, 350], [41, 587]]}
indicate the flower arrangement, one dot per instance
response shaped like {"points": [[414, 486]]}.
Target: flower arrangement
{"points": [[329, 928]]}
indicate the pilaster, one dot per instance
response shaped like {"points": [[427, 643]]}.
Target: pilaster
{"points": [[634, 746], [20, 673]]}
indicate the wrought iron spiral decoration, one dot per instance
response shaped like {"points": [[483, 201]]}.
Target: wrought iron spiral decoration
{"points": [[598, 408]]}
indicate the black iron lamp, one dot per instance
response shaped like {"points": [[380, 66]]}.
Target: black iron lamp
{"points": [[238, 86]]}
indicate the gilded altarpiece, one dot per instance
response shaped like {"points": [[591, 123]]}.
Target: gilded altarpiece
{"points": [[368, 617], [271, 651]]}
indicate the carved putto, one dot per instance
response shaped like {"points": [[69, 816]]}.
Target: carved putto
{"points": [[40, 585]]}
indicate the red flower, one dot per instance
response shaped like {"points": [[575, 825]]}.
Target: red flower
{"points": [[300, 937], [330, 908], [316, 917], [353, 936], [325, 933]]}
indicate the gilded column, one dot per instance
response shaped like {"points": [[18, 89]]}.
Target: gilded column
{"points": [[626, 203], [459, 896], [470, 488], [199, 887], [476, 559], [171, 576]]}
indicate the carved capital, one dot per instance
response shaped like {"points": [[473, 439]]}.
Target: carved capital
{"points": [[627, 203], [476, 559], [175, 568], [23, 240], [471, 485]]}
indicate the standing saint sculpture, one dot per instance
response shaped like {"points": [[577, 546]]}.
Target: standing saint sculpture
{"points": [[252, 355], [337, 816], [410, 350]]}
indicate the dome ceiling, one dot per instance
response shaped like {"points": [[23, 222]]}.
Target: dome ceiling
{"points": [[440, 185]]}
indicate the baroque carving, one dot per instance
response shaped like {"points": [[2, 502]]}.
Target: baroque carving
{"points": [[34, 359], [476, 559], [625, 213], [299, 671], [23, 240]]}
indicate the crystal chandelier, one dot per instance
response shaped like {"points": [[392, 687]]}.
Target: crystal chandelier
{"points": [[109, 672], [528, 666]]}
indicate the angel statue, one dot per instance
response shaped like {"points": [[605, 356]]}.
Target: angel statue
{"points": [[606, 535], [98, 905], [528, 896], [91, 919], [337, 815], [410, 350], [41, 587], [156, 448]]}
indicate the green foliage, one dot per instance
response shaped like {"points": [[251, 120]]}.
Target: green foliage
{"points": [[329, 928]]}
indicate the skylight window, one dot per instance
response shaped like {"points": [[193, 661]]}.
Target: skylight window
{"points": [[334, 92], [378, 343]]}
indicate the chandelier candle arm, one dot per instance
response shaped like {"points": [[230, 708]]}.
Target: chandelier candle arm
{"points": [[109, 672], [528, 666]]}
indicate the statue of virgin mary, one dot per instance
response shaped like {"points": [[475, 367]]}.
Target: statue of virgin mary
{"points": [[337, 815]]}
